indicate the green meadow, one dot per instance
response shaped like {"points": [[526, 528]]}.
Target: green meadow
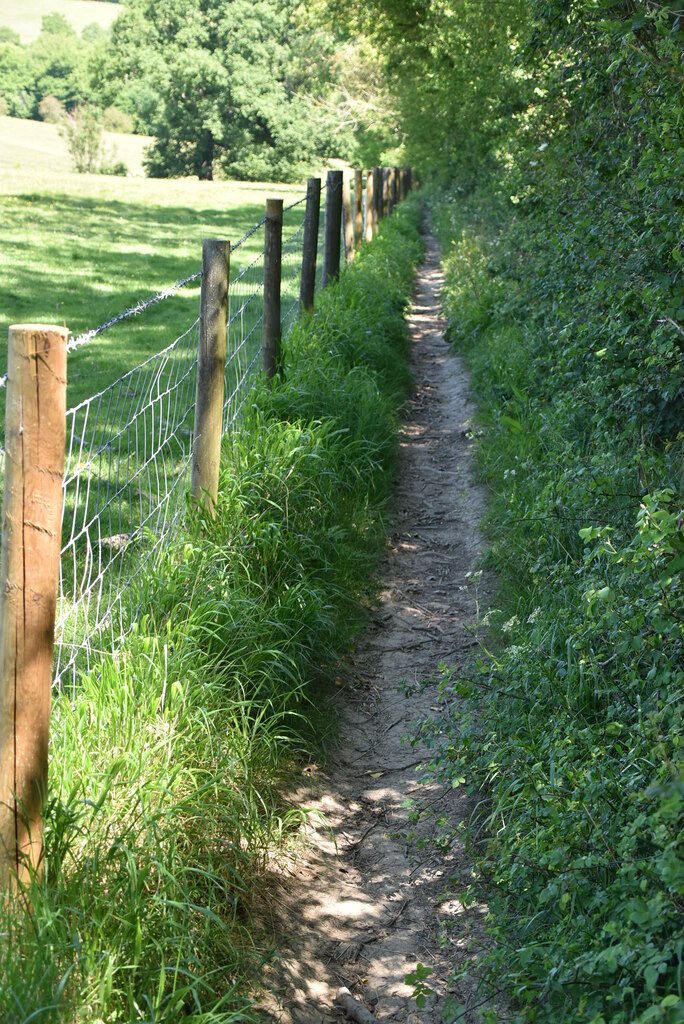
{"points": [[79, 249], [76, 249]]}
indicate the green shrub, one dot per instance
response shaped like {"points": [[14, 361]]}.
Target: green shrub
{"points": [[51, 110], [115, 167], [115, 120], [564, 292], [82, 130], [572, 725]]}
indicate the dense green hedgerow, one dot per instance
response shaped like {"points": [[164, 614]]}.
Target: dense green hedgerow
{"points": [[574, 724], [167, 764], [564, 291]]}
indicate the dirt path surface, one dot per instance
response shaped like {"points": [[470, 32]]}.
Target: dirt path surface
{"points": [[362, 909]]}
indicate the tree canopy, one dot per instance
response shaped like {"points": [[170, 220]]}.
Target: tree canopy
{"points": [[231, 84]]}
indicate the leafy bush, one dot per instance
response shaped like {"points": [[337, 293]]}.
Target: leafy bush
{"points": [[82, 130], [573, 724], [564, 291], [51, 110], [115, 167], [115, 120]]}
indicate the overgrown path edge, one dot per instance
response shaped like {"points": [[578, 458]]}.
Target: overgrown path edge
{"points": [[374, 893]]}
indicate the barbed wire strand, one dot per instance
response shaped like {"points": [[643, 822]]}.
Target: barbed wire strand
{"points": [[140, 307], [298, 202], [248, 234]]}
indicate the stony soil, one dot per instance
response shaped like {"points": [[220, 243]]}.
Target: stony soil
{"points": [[369, 895]]}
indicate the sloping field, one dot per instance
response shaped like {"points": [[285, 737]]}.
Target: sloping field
{"points": [[37, 150], [79, 248], [24, 16]]}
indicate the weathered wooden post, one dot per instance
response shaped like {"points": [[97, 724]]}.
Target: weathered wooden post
{"points": [[35, 433], [386, 192], [377, 198], [307, 285], [347, 219], [333, 228], [271, 333], [409, 179], [358, 208], [370, 206], [211, 366], [395, 186]]}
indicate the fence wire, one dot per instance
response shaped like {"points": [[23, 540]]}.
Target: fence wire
{"points": [[291, 274], [127, 469], [245, 318], [129, 454], [320, 244]]}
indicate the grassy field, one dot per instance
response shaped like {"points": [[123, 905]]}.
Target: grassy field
{"points": [[25, 17], [34, 152], [77, 249]]}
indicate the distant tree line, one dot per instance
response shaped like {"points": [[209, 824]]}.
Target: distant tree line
{"points": [[240, 88]]}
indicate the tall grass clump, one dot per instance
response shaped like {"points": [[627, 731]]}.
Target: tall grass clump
{"points": [[569, 722], [168, 763]]}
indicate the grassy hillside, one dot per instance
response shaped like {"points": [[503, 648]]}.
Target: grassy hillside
{"points": [[37, 150], [77, 249], [25, 17]]}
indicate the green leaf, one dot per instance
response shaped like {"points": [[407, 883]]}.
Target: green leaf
{"points": [[452, 1010]]}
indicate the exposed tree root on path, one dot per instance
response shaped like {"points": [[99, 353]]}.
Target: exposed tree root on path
{"points": [[373, 894]]}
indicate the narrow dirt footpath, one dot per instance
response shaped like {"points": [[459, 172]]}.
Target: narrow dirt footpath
{"points": [[370, 896]]}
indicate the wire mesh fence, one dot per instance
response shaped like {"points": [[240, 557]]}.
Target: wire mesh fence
{"points": [[245, 319], [129, 453], [321, 239], [127, 469], [128, 463], [291, 273]]}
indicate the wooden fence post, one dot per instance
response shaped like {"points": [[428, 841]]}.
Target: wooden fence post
{"points": [[333, 228], [370, 206], [386, 191], [347, 218], [377, 198], [358, 208], [307, 286], [211, 368], [409, 179], [395, 186], [390, 191], [271, 333], [35, 433]]}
